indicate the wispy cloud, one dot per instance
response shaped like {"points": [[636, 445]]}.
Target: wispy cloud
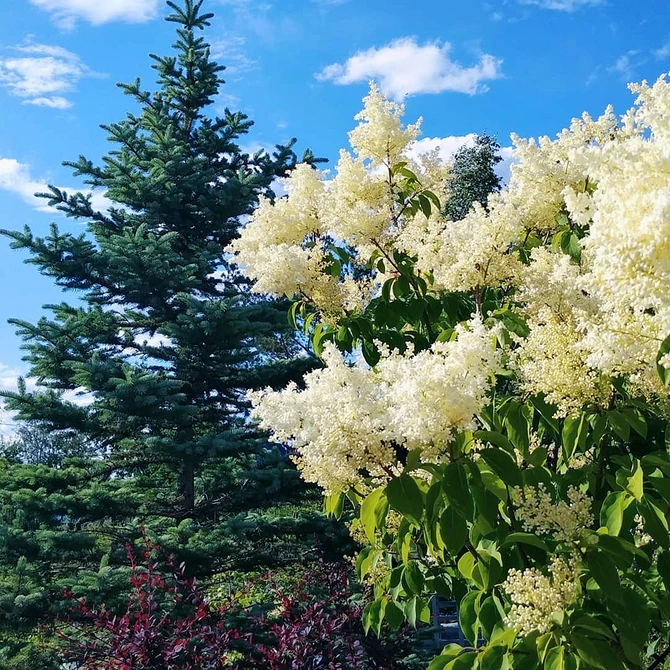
{"points": [[449, 145], [663, 52], [404, 67], [41, 74], [66, 13], [625, 65], [230, 50], [16, 178], [563, 5]]}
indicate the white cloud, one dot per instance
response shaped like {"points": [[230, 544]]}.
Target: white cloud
{"points": [[448, 146], [40, 74], [15, 177], [662, 52], [563, 5], [9, 377], [229, 50], [503, 169], [624, 65], [404, 67], [66, 13]]}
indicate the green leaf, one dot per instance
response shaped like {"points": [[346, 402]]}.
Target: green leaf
{"points": [[574, 434], [636, 420], [655, 522], [368, 509], [320, 332], [453, 530], [663, 372], [468, 619], [591, 623], [596, 653], [456, 488], [663, 565], [503, 465], [334, 504], [372, 616], [632, 616], [604, 571], [466, 564], [494, 658], [559, 658], [496, 439], [526, 538], [449, 652], [493, 483], [635, 483], [416, 609], [518, 430], [611, 512], [291, 315], [424, 203], [413, 579], [405, 496], [619, 425], [394, 615]]}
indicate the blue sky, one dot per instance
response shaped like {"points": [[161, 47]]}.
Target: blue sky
{"points": [[300, 68]]}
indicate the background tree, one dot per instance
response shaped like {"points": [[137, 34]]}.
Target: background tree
{"points": [[473, 177], [164, 341], [35, 444]]}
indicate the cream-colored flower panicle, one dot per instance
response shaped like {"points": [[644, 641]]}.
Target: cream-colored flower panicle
{"points": [[469, 254], [561, 520], [537, 598], [349, 420]]}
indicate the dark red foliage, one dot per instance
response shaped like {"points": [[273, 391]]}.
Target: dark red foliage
{"points": [[318, 626], [313, 624], [168, 625]]}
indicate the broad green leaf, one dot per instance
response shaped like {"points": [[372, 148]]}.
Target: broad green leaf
{"points": [[619, 425], [611, 512], [494, 658], [526, 538], [456, 488], [596, 653], [466, 564], [655, 522], [394, 615], [413, 579], [591, 623], [334, 504], [574, 434], [495, 438], [449, 652], [663, 372], [405, 496], [453, 530], [372, 616], [368, 516], [605, 572], [503, 465], [635, 482], [632, 616], [468, 616], [559, 658]]}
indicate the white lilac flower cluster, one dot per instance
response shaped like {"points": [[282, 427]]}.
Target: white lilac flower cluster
{"points": [[349, 420], [599, 313], [562, 520], [537, 597]]}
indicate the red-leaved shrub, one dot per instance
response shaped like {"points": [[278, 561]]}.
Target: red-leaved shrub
{"points": [[313, 623]]}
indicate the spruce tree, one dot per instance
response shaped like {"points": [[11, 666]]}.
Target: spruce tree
{"points": [[473, 177], [163, 342]]}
